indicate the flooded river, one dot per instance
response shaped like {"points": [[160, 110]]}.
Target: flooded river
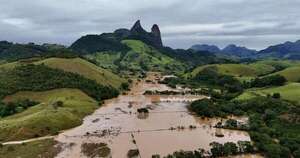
{"points": [[118, 124]]}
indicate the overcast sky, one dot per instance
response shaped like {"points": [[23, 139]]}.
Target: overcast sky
{"points": [[252, 23]]}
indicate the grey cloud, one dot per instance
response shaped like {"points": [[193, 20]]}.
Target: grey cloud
{"points": [[256, 23]]}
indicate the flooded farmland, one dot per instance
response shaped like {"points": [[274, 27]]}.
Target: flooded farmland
{"points": [[163, 130]]}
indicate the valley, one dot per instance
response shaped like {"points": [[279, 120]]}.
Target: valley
{"points": [[124, 94]]}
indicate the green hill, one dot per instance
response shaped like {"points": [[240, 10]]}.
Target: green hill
{"points": [[74, 65], [256, 69], [242, 71], [77, 83], [140, 57], [290, 92], [46, 118], [292, 74], [84, 68]]}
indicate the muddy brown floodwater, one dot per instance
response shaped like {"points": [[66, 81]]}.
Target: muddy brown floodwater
{"points": [[118, 124]]}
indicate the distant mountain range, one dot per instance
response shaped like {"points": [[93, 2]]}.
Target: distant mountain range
{"points": [[114, 42], [287, 50]]}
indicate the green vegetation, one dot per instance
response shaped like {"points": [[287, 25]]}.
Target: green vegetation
{"points": [[13, 52], [48, 117], [42, 148], [140, 57], [273, 80], [41, 78], [86, 69], [94, 43], [15, 107], [291, 74], [246, 72], [290, 91], [107, 60], [148, 58], [60, 108], [274, 124], [237, 70], [217, 150]]}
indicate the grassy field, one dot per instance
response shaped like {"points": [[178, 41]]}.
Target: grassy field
{"points": [[46, 118], [42, 148], [84, 68], [259, 68], [106, 59], [8, 66], [281, 63], [240, 71], [290, 92], [143, 55], [76, 65], [292, 74]]}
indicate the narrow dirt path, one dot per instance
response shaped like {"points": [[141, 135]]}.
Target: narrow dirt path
{"points": [[27, 141]]}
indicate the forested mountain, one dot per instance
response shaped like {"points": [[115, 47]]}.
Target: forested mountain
{"points": [[287, 50], [136, 49], [230, 50]]}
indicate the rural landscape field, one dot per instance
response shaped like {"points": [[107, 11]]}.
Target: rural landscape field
{"points": [[150, 79]]}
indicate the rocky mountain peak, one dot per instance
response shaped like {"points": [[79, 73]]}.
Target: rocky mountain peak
{"points": [[153, 38], [155, 30], [137, 28]]}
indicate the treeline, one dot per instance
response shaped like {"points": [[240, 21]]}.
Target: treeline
{"points": [[11, 108], [274, 124], [12, 52], [211, 76], [40, 78], [217, 150], [273, 80]]}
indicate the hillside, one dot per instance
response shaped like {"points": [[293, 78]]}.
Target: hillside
{"points": [[13, 51], [109, 50], [291, 74], [257, 69], [240, 71], [74, 65], [84, 68], [289, 92], [66, 90], [46, 118], [140, 57], [40, 78]]}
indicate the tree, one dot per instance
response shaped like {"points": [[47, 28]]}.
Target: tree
{"points": [[217, 149], [276, 95], [230, 148]]}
